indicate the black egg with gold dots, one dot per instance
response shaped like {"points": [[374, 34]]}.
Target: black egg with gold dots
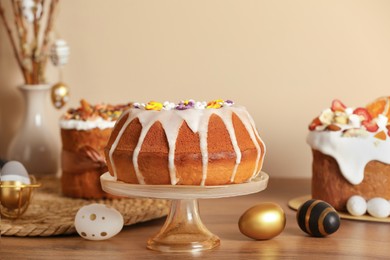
{"points": [[317, 218]]}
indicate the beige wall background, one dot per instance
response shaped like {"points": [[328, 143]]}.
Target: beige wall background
{"points": [[284, 60]]}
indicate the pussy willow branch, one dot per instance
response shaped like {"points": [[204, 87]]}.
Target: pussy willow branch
{"points": [[32, 62], [13, 43], [48, 30]]}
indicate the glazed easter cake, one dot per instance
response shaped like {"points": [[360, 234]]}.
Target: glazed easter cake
{"points": [[188, 143], [85, 132], [351, 152]]}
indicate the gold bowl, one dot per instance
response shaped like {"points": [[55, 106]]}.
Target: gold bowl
{"points": [[15, 197]]}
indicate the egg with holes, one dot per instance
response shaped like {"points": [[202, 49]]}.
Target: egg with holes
{"points": [[98, 222], [317, 218]]}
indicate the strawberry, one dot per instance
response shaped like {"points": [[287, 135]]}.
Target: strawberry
{"points": [[370, 126], [360, 111], [316, 122], [338, 106]]}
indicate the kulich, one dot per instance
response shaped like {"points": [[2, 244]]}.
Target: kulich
{"points": [[317, 218]]}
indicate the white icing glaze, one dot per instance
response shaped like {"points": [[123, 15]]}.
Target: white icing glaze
{"points": [[351, 153], [197, 120], [86, 125]]}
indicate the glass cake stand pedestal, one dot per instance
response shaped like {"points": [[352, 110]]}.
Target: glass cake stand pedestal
{"points": [[183, 230]]}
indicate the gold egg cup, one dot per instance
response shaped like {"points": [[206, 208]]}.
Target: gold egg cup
{"points": [[15, 197]]}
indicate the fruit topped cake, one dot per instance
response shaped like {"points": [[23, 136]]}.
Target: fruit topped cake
{"points": [[351, 152], [188, 143], [85, 132]]}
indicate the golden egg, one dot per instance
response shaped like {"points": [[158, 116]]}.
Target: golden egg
{"points": [[263, 221], [59, 95]]}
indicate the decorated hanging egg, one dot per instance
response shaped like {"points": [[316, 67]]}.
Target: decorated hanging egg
{"points": [[59, 53], [317, 218], [356, 205], [378, 207], [263, 221], [59, 95], [98, 222]]}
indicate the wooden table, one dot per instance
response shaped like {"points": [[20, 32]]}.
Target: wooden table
{"points": [[354, 239]]}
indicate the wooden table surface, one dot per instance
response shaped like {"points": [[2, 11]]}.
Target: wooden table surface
{"points": [[354, 239]]}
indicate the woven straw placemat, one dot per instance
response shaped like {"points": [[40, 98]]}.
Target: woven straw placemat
{"points": [[51, 214]]}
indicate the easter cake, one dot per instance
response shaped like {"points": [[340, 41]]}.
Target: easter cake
{"points": [[188, 143], [85, 132], [351, 152]]}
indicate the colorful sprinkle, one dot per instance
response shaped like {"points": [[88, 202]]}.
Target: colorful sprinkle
{"points": [[218, 103], [184, 105], [153, 105]]}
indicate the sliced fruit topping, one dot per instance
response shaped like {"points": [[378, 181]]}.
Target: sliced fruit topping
{"points": [[316, 122], [360, 111], [337, 105], [379, 106], [370, 126], [381, 135]]}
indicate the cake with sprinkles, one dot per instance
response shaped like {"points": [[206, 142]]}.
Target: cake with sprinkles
{"points": [[85, 132], [351, 152], [185, 143]]}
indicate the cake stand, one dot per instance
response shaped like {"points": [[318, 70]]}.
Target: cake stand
{"points": [[183, 230]]}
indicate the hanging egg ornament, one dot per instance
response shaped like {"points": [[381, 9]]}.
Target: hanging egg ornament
{"points": [[263, 221], [59, 53], [59, 95], [317, 218]]}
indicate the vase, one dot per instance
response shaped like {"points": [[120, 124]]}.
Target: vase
{"points": [[34, 144]]}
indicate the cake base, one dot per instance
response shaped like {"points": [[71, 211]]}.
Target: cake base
{"points": [[83, 163], [328, 184]]}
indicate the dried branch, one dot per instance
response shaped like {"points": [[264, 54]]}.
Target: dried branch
{"points": [[49, 25], [32, 52], [46, 34], [13, 44]]}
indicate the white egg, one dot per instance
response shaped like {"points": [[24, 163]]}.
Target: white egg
{"points": [[98, 222], [378, 207], [356, 205], [15, 171]]}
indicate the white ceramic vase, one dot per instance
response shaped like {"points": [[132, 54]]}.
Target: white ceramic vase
{"points": [[34, 145]]}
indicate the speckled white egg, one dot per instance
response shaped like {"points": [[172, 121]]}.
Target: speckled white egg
{"points": [[98, 222], [357, 205], [15, 171], [378, 207]]}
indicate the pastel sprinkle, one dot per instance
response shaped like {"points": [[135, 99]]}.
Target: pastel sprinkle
{"points": [[184, 105], [153, 105], [218, 103]]}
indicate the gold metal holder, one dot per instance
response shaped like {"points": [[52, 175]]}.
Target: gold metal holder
{"points": [[183, 230], [15, 197]]}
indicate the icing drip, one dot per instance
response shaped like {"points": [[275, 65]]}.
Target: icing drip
{"points": [[250, 126], [198, 122], [227, 120], [203, 148], [351, 153]]}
